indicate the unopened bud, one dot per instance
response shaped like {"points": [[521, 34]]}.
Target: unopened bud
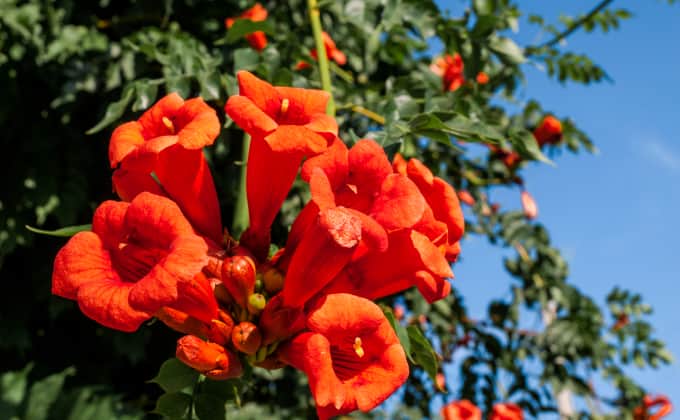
{"points": [[182, 322], [466, 198], [273, 280], [238, 276], [528, 205], [256, 303], [399, 312], [440, 381], [210, 359], [246, 337]]}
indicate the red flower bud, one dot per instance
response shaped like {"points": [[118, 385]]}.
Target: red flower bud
{"points": [[440, 381], [461, 410], [220, 329], [246, 337], [399, 312], [238, 276], [482, 78], [549, 131], [182, 322], [210, 359], [273, 280]]}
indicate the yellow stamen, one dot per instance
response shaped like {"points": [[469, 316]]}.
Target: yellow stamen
{"points": [[168, 123], [357, 347], [284, 105]]}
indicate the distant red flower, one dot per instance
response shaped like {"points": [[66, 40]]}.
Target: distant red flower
{"points": [[351, 355], [461, 410], [332, 52], [549, 131], [506, 411], [648, 402], [509, 158], [212, 360], [482, 78], [166, 143], [139, 257], [450, 68], [257, 13], [529, 205], [287, 125]]}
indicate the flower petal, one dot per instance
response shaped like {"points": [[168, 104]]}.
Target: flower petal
{"points": [[247, 115], [105, 300]]}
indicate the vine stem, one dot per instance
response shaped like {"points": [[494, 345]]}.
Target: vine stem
{"points": [[324, 69], [241, 219], [574, 26]]}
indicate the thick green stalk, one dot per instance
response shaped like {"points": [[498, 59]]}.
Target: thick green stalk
{"points": [[241, 220], [324, 69]]}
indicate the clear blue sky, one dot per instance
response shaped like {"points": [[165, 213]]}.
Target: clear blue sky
{"points": [[614, 215]]}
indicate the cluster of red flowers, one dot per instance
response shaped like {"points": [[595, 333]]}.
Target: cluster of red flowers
{"points": [[257, 13], [466, 410], [372, 228]]}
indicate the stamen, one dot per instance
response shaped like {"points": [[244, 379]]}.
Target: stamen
{"points": [[284, 105], [357, 347], [168, 123]]}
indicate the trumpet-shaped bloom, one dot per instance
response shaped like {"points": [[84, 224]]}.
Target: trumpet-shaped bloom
{"points": [[162, 153], [549, 131], [286, 125], [461, 410], [350, 354], [450, 68], [138, 258], [506, 411], [660, 403], [443, 221], [257, 13], [390, 208]]}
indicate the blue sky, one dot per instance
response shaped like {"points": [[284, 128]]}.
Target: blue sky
{"points": [[615, 214]]}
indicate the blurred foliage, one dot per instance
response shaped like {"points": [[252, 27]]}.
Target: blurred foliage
{"points": [[69, 68]]}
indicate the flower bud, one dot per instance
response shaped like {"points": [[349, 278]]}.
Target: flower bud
{"points": [[238, 276], [256, 303], [465, 197], [482, 78], [399, 312], [549, 131], [529, 205], [246, 337], [440, 381], [211, 359], [273, 280]]}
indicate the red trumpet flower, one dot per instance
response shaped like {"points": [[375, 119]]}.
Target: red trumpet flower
{"points": [[450, 68], [648, 402], [351, 355], [287, 125], [139, 257], [162, 153], [461, 410], [257, 13], [549, 131], [506, 411]]}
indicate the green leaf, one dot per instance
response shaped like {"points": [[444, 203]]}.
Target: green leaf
{"points": [[245, 59], [525, 144], [210, 85], [400, 331], [63, 232], [146, 94], [44, 393], [483, 7], [243, 27], [175, 376], [175, 405], [507, 49], [422, 352], [115, 110], [13, 385]]}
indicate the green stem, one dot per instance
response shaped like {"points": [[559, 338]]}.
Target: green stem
{"points": [[241, 220], [315, 19]]}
